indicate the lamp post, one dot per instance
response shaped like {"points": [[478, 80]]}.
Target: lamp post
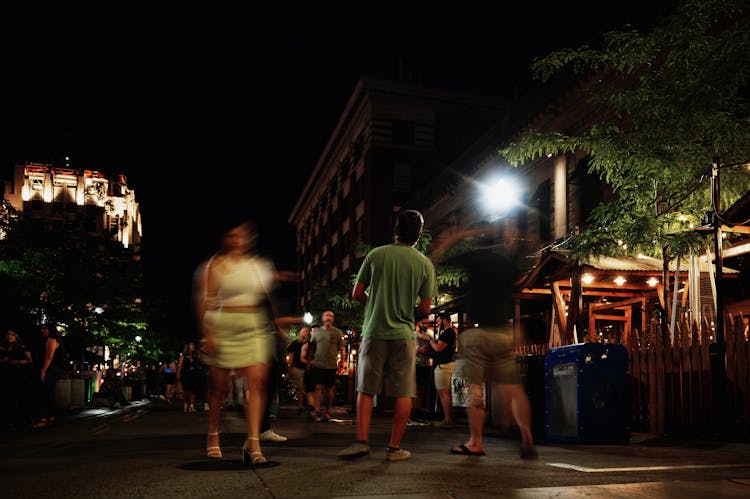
{"points": [[716, 208], [499, 196]]}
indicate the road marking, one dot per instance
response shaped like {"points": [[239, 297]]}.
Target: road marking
{"points": [[585, 469]]}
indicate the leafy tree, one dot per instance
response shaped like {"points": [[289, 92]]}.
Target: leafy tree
{"points": [[90, 286], [669, 102]]}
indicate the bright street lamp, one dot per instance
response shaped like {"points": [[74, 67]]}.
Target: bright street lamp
{"points": [[500, 195], [308, 318]]}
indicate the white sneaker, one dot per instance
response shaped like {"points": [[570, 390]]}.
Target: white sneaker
{"points": [[272, 436]]}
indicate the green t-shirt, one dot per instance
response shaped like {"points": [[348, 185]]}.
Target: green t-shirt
{"points": [[396, 278]]}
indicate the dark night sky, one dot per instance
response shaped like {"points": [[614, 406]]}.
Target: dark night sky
{"points": [[209, 114]]}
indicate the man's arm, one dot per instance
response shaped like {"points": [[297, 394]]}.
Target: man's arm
{"points": [[423, 308], [359, 293], [438, 345]]}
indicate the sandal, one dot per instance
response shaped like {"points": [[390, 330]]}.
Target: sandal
{"points": [[465, 451], [213, 451], [254, 458]]}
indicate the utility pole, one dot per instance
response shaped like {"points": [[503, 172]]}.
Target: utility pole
{"points": [[716, 205]]}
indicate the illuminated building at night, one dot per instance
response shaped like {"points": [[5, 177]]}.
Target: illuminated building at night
{"points": [[76, 200]]}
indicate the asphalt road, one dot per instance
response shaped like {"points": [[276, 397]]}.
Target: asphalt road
{"points": [[151, 450]]}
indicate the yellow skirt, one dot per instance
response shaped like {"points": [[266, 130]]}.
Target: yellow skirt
{"points": [[242, 339]]}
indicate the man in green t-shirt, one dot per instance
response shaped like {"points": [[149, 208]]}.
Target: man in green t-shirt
{"points": [[392, 280]]}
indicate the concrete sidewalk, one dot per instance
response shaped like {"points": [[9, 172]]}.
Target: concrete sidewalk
{"points": [[647, 467], [156, 449]]}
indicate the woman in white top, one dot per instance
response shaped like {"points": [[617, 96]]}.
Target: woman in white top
{"points": [[236, 322]]}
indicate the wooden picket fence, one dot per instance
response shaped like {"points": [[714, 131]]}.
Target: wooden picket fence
{"points": [[687, 386]]}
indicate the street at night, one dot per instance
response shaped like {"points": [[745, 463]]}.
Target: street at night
{"points": [[150, 450], [454, 219]]}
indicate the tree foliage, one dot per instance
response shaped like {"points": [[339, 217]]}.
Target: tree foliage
{"points": [[91, 287], [668, 102]]}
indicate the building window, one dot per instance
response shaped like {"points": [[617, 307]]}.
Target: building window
{"points": [[402, 132]]}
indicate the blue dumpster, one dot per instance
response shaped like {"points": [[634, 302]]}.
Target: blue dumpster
{"points": [[586, 394]]}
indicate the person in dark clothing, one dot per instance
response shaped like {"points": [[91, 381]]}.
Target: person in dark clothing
{"points": [[297, 367], [443, 360], [110, 390], [15, 375], [51, 363], [188, 369]]}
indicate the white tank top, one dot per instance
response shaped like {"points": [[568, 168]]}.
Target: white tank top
{"points": [[244, 284]]}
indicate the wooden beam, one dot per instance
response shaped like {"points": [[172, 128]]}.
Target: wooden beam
{"points": [[618, 318], [559, 307], [737, 229], [615, 304], [537, 291]]}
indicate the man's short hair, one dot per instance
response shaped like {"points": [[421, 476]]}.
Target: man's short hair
{"points": [[444, 315], [409, 225], [421, 317]]}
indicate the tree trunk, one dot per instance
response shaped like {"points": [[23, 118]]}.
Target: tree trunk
{"points": [[665, 292]]}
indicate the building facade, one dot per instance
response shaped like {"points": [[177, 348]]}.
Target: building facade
{"points": [[76, 200], [391, 140]]}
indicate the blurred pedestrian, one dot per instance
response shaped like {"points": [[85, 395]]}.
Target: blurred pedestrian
{"points": [[231, 293], [51, 366], [486, 355], [390, 281]]}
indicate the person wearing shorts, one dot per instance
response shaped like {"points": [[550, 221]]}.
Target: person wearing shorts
{"points": [[444, 351], [390, 281], [329, 345], [486, 354]]}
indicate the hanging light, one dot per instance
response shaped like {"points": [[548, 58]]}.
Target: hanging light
{"points": [[653, 281], [620, 280], [587, 278]]}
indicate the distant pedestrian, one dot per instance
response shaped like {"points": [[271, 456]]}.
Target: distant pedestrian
{"points": [[15, 375], [231, 292], [390, 281], [188, 372], [51, 366], [169, 371], [443, 355], [424, 370], [329, 345], [297, 367], [306, 356]]}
